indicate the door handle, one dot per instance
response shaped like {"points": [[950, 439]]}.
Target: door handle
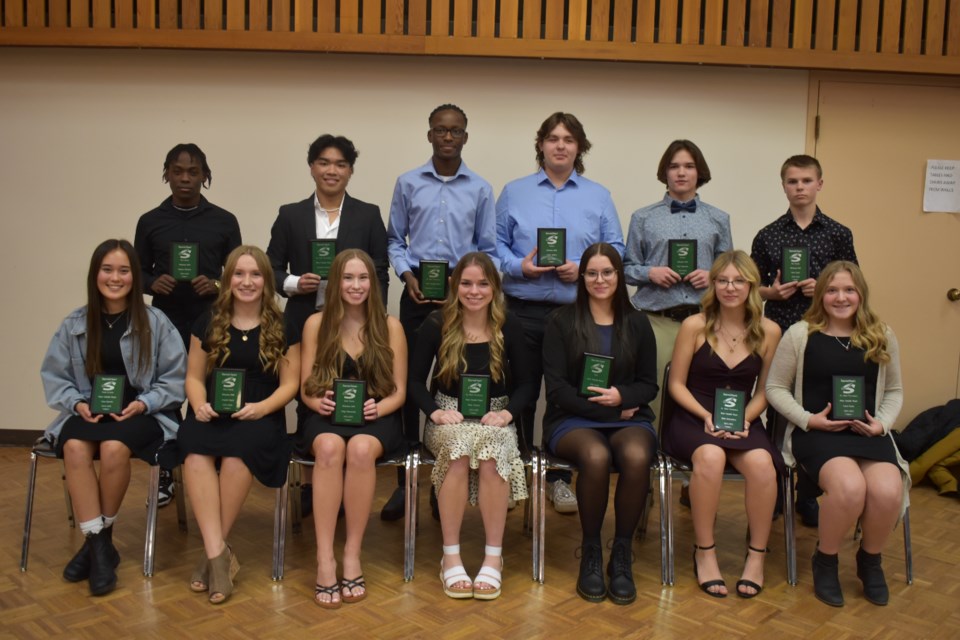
{"points": [[953, 295]]}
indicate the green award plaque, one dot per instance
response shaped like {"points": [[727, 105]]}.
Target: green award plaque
{"points": [[349, 396], [595, 373], [683, 256], [729, 406], [848, 398], [474, 401], [796, 264], [184, 260], [433, 279], [551, 247], [227, 392], [322, 253], [107, 394]]}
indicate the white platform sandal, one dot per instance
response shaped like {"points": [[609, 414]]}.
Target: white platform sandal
{"points": [[489, 576], [453, 575]]}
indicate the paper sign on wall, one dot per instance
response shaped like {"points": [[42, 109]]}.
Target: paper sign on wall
{"points": [[941, 188]]}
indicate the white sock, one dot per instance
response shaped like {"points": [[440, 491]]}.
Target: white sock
{"points": [[108, 521], [92, 527]]}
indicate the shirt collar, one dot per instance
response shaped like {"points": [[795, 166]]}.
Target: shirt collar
{"points": [[202, 206], [429, 169], [667, 200], [574, 178]]}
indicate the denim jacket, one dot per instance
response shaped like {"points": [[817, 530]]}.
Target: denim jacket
{"points": [[161, 388]]}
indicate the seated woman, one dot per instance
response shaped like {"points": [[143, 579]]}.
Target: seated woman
{"points": [[244, 331], [352, 338], [475, 447], [728, 345], [599, 426], [114, 334], [850, 454]]}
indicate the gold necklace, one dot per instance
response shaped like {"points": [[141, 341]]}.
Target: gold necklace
{"points": [[732, 343]]}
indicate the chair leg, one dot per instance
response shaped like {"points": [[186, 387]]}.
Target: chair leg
{"points": [[409, 512], [280, 528], [528, 503], [180, 497], [907, 547], [294, 477], [666, 516], [789, 528], [540, 518], [150, 545], [28, 513], [66, 496]]}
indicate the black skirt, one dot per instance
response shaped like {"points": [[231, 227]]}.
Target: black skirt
{"points": [[815, 448], [141, 434]]}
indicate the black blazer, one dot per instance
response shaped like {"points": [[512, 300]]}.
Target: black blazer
{"points": [[361, 227]]}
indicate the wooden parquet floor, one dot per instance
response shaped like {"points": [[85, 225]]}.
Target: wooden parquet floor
{"points": [[39, 604]]}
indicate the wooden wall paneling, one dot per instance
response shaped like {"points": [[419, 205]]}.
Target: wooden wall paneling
{"points": [[690, 26], [577, 20], [759, 18], [825, 25], [326, 15], [802, 24], [869, 27], [713, 22], [236, 14], [646, 20], [416, 18], [600, 20], [101, 14], [953, 34], [463, 18], [890, 39], [509, 18], [371, 17], [259, 18], [189, 14], [780, 26], [736, 22], [668, 21], [302, 16], [553, 20], [623, 20], [912, 26], [57, 13], [281, 16], [36, 13], [167, 18], [79, 14], [936, 14], [847, 26], [146, 17], [13, 15], [486, 19], [440, 18], [393, 17]]}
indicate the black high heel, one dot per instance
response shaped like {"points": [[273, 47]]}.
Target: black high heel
{"points": [[750, 583], [705, 587]]}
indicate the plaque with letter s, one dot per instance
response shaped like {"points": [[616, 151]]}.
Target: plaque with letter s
{"points": [[683, 256], [322, 253], [349, 396], [796, 264], [227, 390], [551, 247], [107, 394], [595, 373], [729, 406], [433, 279], [848, 398], [184, 261], [474, 401]]}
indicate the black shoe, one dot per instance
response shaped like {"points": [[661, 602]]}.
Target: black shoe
{"points": [[103, 575], [705, 586], [590, 584], [809, 512], [685, 495], [871, 575], [434, 504], [826, 580], [621, 590], [79, 566], [394, 508], [166, 488], [306, 500]]}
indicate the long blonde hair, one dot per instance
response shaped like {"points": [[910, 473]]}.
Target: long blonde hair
{"points": [[752, 308], [273, 341], [376, 364], [452, 355], [869, 333]]}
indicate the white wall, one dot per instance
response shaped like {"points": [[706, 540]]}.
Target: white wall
{"points": [[83, 134]]}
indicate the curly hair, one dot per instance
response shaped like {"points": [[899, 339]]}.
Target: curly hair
{"points": [[376, 362], [452, 355], [869, 333], [273, 343], [753, 308], [570, 122]]}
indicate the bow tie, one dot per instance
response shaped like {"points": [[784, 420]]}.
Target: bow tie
{"points": [[676, 207]]}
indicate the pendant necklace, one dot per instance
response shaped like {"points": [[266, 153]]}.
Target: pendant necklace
{"points": [[732, 342], [110, 325], [846, 347]]}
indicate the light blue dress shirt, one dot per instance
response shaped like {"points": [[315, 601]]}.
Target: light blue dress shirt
{"points": [[581, 206], [434, 217]]}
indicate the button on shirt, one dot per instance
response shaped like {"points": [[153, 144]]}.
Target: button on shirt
{"points": [[444, 218], [326, 230], [648, 245], [581, 206], [827, 239]]}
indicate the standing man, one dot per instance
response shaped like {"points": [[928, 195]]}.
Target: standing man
{"points": [[328, 213], [825, 240], [440, 211], [666, 296], [188, 219], [557, 196]]}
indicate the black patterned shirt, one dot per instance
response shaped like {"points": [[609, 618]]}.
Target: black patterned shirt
{"points": [[827, 239]]}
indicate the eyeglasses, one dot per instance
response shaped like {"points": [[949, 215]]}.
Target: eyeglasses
{"points": [[736, 283], [456, 134], [606, 274]]}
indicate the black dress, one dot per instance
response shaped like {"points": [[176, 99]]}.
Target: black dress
{"points": [[262, 444], [386, 429], [141, 434], [708, 372], [823, 358]]}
